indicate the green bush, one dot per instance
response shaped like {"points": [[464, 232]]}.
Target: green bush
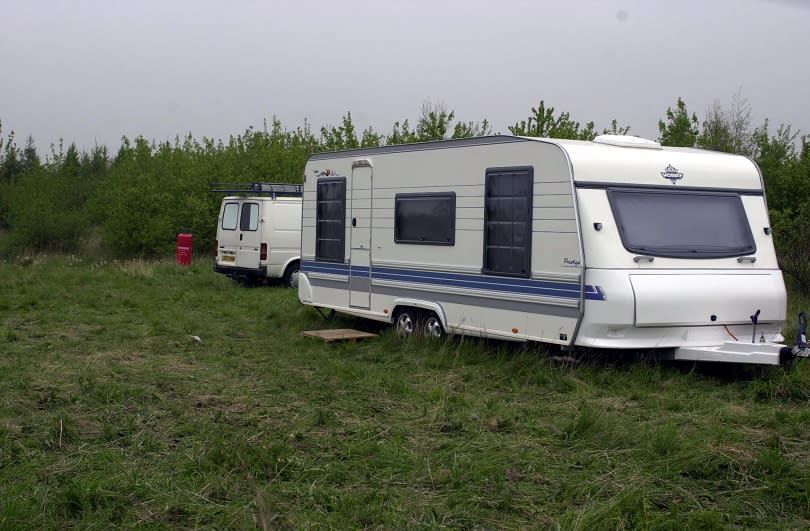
{"points": [[44, 214], [792, 241], [134, 204]]}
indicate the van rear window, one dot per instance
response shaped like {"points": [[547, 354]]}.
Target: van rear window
{"points": [[681, 224], [229, 216], [250, 217]]}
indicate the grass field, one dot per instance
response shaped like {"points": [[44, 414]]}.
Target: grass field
{"points": [[112, 414]]}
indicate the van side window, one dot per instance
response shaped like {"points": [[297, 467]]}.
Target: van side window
{"points": [[330, 220], [428, 219], [250, 217], [508, 221], [229, 214]]}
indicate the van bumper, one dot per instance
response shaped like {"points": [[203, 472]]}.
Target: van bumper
{"points": [[242, 273]]}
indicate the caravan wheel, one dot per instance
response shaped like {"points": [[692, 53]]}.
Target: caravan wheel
{"points": [[432, 327], [405, 322]]}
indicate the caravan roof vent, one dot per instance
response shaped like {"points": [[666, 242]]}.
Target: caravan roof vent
{"points": [[627, 141]]}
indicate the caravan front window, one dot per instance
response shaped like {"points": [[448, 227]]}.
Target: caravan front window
{"points": [[681, 223]]}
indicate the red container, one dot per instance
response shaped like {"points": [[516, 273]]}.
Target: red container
{"points": [[184, 246]]}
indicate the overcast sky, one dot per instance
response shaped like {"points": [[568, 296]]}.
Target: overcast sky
{"points": [[92, 71]]}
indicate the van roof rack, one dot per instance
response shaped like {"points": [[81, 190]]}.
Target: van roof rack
{"points": [[257, 188]]}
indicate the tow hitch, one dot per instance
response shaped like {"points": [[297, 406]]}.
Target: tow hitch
{"points": [[756, 352], [799, 350]]}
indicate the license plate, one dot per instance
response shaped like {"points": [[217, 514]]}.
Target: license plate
{"points": [[228, 258]]}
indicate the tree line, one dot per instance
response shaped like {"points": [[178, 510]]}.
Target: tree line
{"points": [[133, 202]]}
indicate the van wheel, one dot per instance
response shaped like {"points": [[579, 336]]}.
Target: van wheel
{"points": [[291, 275], [432, 327], [405, 322]]}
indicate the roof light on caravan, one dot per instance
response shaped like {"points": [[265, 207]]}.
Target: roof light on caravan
{"points": [[627, 141]]}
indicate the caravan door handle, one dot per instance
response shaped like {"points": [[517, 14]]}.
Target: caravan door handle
{"points": [[354, 222]]}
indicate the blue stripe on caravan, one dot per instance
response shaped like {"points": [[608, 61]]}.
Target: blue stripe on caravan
{"points": [[326, 267], [594, 293], [547, 288], [485, 281]]}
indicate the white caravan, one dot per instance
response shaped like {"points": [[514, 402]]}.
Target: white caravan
{"points": [[259, 237], [617, 243]]}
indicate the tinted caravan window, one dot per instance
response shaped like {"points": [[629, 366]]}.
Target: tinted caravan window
{"points": [[508, 221], [428, 219], [682, 224], [330, 220]]}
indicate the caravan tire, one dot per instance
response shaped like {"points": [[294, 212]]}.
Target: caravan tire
{"points": [[405, 322], [432, 327], [291, 275]]}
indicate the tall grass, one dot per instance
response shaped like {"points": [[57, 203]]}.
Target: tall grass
{"points": [[112, 414]]}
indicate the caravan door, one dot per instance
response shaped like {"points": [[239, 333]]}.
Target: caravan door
{"points": [[360, 235]]}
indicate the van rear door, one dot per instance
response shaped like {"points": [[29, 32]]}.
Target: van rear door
{"points": [[227, 233], [247, 250]]}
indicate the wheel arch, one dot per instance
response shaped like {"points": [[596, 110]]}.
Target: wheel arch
{"points": [[289, 262], [435, 307], [291, 274]]}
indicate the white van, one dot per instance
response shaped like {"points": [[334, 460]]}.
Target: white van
{"points": [[618, 243], [259, 237]]}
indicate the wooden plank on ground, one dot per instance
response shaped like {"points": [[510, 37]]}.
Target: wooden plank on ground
{"points": [[339, 334]]}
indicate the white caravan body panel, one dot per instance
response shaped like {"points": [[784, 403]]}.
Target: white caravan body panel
{"points": [[626, 247]]}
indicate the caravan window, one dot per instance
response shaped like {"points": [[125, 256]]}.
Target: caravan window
{"points": [[682, 223], [330, 220], [229, 215], [250, 217], [428, 219], [508, 221]]}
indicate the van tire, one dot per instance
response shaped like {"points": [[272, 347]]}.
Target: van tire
{"points": [[291, 275], [406, 322]]}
